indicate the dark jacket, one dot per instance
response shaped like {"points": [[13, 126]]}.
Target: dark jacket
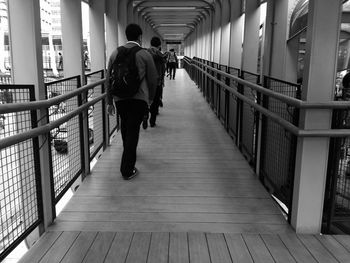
{"points": [[159, 61], [147, 72]]}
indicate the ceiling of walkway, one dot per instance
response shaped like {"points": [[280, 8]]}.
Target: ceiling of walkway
{"points": [[173, 20]]}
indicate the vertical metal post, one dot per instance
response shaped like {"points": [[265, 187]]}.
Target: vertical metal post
{"points": [[84, 134], [227, 102], [258, 134], [240, 89], [105, 117]]}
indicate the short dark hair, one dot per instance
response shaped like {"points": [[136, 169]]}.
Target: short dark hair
{"points": [[132, 32], [346, 80], [155, 42]]}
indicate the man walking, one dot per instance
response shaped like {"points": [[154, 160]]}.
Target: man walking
{"points": [[132, 109], [173, 62], [159, 61]]}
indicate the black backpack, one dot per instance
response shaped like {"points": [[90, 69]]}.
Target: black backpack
{"points": [[124, 77]]}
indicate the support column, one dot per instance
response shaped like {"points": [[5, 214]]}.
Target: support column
{"points": [[225, 32], [202, 39], [27, 68], [251, 36], [136, 16], [217, 32], [130, 18], [198, 48], [122, 21], [275, 51], [319, 77], [72, 38], [97, 31], [111, 27], [192, 54], [236, 34], [147, 35], [24, 23], [209, 36], [73, 64]]}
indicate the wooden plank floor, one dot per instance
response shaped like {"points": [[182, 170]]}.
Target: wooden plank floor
{"points": [[192, 178], [195, 200], [186, 247]]}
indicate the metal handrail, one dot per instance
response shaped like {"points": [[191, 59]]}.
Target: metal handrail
{"points": [[292, 101], [288, 100], [35, 105], [16, 107]]}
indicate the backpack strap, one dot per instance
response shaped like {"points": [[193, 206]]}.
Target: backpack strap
{"points": [[123, 49], [132, 51], [135, 49]]}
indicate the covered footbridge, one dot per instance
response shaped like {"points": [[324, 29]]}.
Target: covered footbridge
{"points": [[250, 157]]}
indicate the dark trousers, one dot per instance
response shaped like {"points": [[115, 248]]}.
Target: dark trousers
{"points": [[172, 69], [131, 113], [154, 108]]}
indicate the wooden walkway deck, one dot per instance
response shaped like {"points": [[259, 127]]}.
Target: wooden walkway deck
{"points": [[195, 200]]}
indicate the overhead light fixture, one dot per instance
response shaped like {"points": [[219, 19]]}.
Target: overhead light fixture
{"points": [[174, 8], [173, 25]]}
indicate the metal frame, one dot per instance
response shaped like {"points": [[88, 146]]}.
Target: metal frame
{"points": [[288, 100], [37, 175], [289, 125]]}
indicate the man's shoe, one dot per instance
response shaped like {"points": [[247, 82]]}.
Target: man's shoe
{"points": [[152, 125], [145, 122], [134, 173]]}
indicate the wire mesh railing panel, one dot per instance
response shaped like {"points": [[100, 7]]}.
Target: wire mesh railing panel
{"points": [[201, 76], [50, 76], [113, 123], [5, 78], [233, 105], [95, 115], [249, 125], [337, 197], [222, 109], [212, 87], [278, 148], [21, 208], [65, 140], [215, 89]]}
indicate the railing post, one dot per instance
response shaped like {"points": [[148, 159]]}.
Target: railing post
{"points": [[84, 134], [240, 89], [212, 86], [105, 118], [227, 101], [258, 133], [218, 91], [47, 183], [264, 100]]}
